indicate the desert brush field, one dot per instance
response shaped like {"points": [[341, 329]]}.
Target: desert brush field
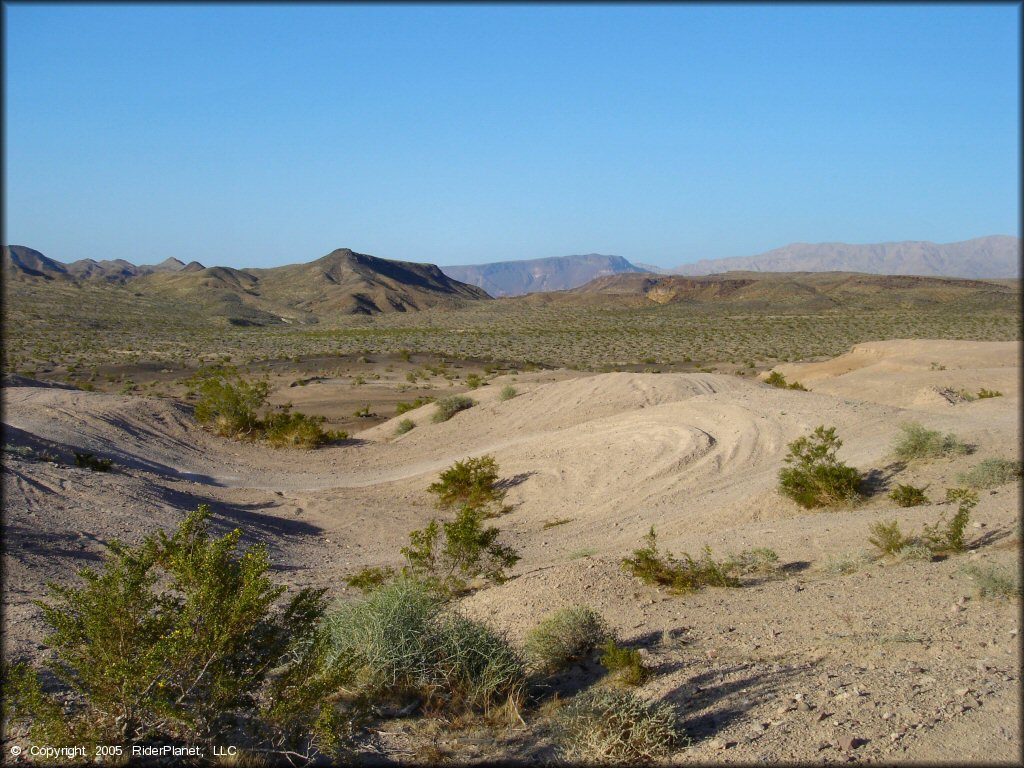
{"points": [[656, 597]]}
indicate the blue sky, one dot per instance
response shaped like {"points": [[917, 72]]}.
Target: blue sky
{"points": [[269, 134]]}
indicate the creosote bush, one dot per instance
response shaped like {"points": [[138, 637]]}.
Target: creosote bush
{"points": [[468, 551], [401, 408], [776, 379], [563, 638], [449, 406], [625, 665], [472, 482], [608, 725], [229, 405], [815, 477], [400, 641], [941, 538], [918, 442], [679, 575], [177, 641], [908, 495]]}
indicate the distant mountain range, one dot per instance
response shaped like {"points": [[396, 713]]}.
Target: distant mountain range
{"points": [[558, 273], [984, 257], [342, 282]]}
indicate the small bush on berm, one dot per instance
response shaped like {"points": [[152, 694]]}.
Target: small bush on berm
{"points": [[815, 477], [449, 406]]}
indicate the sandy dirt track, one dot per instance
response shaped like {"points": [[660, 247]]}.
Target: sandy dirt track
{"points": [[902, 657]]}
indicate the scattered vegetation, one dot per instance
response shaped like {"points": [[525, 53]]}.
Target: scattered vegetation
{"points": [[405, 425], [449, 406], [176, 641], [89, 461], [815, 477], [507, 392], [918, 442], [607, 725], [991, 473], [679, 575], [942, 538], [908, 495], [847, 563], [563, 638]]}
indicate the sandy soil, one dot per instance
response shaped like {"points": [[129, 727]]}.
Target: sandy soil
{"points": [[894, 662]]}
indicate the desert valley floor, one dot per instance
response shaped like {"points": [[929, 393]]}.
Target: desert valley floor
{"points": [[838, 658]]}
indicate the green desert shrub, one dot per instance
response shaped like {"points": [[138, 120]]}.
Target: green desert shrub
{"points": [[625, 665], [449, 406], [815, 477], [227, 402], [608, 725], [987, 393], [776, 379], [401, 641], [944, 536], [679, 575], [473, 380], [991, 473], [178, 640], [888, 538], [563, 638], [371, 577], [405, 425], [473, 482], [297, 430], [401, 408], [89, 461], [918, 442], [508, 392], [469, 551], [908, 496]]}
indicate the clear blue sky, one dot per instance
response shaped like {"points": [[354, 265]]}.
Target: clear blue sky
{"points": [[269, 134]]}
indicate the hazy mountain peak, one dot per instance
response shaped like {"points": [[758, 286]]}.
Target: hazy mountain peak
{"points": [[555, 273]]}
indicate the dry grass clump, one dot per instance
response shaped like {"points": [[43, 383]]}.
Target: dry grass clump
{"points": [[564, 637], [607, 725], [401, 641], [993, 581], [991, 473], [918, 442]]}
